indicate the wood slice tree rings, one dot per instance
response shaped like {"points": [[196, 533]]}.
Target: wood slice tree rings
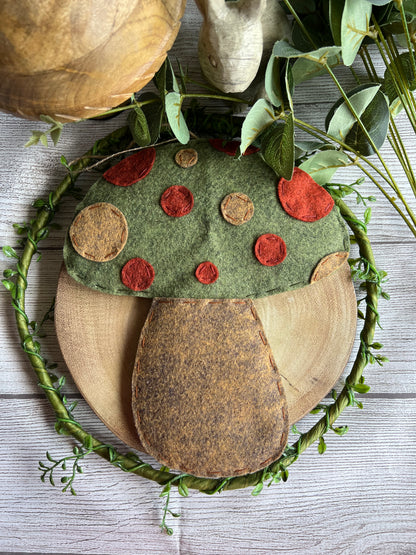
{"points": [[77, 59], [310, 331]]}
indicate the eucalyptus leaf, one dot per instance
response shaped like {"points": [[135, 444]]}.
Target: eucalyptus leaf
{"points": [[289, 85], [355, 24], [43, 139], [303, 6], [165, 79], [378, 2], [171, 81], [173, 104], [399, 70], [318, 33], [284, 50], [304, 69], [272, 82], [395, 107], [375, 118], [154, 114], [410, 7], [56, 135], [323, 164], [138, 126], [278, 147], [309, 146], [258, 119], [342, 119], [336, 7]]}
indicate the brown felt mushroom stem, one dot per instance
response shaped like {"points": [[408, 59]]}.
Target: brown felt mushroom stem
{"points": [[202, 404]]}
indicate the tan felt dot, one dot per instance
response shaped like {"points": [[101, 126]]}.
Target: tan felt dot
{"points": [[328, 264], [186, 157], [237, 208], [99, 232]]}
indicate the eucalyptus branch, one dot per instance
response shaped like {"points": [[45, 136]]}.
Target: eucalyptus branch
{"points": [[227, 98], [106, 158], [320, 134], [362, 127], [399, 81], [388, 197], [394, 137], [399, 4]]}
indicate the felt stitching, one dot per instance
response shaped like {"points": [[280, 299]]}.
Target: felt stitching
{"points": [[327, 265], [84, 234], [284, 435], [302, 198], [131, 169], [186, 157], [207, 273], [237, 208], [270, 249], [137, 274], [177, 201]]}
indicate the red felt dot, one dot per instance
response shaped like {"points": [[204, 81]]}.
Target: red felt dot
{"points": [[177, 201], [231, 147], [303, 199], [207, 273], [137, 274], [270, 249], [131, 169]]}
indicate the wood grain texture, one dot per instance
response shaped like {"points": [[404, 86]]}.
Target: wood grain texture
{"points": [[317, 323], [75, 60], [357, 498]]}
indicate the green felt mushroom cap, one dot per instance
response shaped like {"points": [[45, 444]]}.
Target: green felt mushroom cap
{"points": [[201, 224]]}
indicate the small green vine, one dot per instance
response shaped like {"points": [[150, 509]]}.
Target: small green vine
{"points": [[15, 281]]}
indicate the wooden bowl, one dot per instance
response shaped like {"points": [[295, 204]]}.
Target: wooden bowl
{"points": [[77, 59]]}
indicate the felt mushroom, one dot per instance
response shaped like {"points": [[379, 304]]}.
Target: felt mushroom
{"points": [[215, 244]]}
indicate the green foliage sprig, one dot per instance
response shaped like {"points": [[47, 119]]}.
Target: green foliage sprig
{"points": [[325, 34], [16, 283], [54, 132], [330, 33]]}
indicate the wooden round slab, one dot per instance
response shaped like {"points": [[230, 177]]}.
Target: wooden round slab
{"points": [[77, 59], [310, 331]]}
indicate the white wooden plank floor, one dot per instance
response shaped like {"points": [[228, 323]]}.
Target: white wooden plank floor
{"points": [[357, 498]]}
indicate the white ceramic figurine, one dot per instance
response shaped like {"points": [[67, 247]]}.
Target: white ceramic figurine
{"points": [[234, 35]]}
